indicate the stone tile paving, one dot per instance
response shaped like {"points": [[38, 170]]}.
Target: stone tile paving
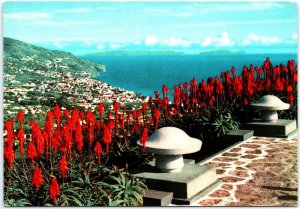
{"points": [[258, 172]]}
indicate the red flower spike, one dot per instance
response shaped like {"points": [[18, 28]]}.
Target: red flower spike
{"points": [[78, 138], [107, 137], [54, 190], [165, 90], [156, 94], [55, 140], [186, 85], [31, 151], [57, 115], [100, 108], [63, 166], [144, 138], [116, 106], [90, 118], [21, 117], [37, 178], [9, 154], [21, 138], [100, 111], [10, 131], [66, 140], [156, 117], [98, 151], [232, 71], [144, 107], [66, 113]]}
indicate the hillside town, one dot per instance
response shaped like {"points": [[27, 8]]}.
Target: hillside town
{"points": [[42, 88]]}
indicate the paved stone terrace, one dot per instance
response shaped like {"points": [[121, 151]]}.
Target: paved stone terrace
{"points": [[257, 172]]}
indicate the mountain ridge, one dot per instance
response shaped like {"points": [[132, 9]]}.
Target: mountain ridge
{"points": [[24, 54]]}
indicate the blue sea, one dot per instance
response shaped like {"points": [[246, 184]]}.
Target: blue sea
{"points": [[146, 74]]}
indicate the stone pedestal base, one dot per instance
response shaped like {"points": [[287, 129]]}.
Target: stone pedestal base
{"points": [[279, 128], [186, 185], [239, 135], [157, 198]]}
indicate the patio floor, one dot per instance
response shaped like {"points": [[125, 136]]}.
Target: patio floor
{"points": [[257, 172]]}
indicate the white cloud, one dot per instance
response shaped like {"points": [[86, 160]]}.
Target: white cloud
{"points": [[222, 40], [100, 46], [253, 38], [177, 42], [295, 37], [150, 40], [75, 10], [27, 16], [207, 41]]}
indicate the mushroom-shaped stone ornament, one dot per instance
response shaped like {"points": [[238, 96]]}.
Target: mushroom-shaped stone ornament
{"points": [[269, 104], [169, 144]]}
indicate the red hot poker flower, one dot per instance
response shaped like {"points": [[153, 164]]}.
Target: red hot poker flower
{"points": [[37, 178], [21, 117], [10, 130], [21, 138], [9, 154], [31, 151], [165, 90], [100, 108], [144, 107], [98, 151], [156, 95], [116, 106], [144, 138], [232, 71], [66, 113], [57, 115], [54, 190], [106, 138], [55, 140], [63, 166], [78, 138], [90, 118], [156, 117], [186, 85]]}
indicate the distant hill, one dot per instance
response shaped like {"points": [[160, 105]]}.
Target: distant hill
{"points": [[18, 54], [223, 52], [134, 53]]}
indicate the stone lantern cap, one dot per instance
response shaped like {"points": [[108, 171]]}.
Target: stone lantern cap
{"points": [[270, 102], [171, 141]]}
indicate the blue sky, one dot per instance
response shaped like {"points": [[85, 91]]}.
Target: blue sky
{"points": [[191, 27]]}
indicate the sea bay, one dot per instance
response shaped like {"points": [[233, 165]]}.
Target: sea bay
{"points": [[146, 74]]}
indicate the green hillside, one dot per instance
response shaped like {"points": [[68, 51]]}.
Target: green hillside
{"points": [[18, 54], [36, 78]]}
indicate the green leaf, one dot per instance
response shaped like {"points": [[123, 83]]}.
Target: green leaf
{"points": [[115, 202], [116, 179]]}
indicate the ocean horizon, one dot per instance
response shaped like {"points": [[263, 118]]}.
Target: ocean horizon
{"points": [[146, 74]]}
